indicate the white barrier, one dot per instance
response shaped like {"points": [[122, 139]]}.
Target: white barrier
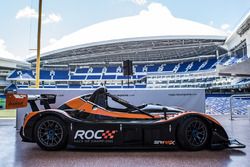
{"points": [[189, 99], [248, 109], [240, 96]]}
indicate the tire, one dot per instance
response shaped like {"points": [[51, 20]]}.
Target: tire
{"points": [[193, 134], [50, 133], [24, 139]]}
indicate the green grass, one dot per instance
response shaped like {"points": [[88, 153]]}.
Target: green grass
{"points": [[8, 113]]}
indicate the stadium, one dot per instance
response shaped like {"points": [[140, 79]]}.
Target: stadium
{"points": [[177, 53], [184, 75]]}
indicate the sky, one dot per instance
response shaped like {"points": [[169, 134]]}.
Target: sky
{"points": [[18, 28]]}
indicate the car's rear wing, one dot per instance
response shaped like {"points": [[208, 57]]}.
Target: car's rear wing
{"points": [[13, 101]]}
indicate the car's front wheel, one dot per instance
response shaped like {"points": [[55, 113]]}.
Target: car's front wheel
{"points": [[50, 133], [193, 134]]}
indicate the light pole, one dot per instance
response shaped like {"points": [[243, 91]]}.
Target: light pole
{"points": [[38, 45]]}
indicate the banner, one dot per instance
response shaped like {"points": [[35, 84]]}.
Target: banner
{"points": [[2, 102]]}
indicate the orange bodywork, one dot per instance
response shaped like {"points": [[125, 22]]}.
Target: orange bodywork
{"points": [[87, 107], [29, 116], [176, 116]]}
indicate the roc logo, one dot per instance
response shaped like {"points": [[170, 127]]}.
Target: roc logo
{"points": [[98, 135]]}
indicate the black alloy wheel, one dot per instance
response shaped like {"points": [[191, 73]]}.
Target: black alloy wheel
{"points": [[50, 133], [193, 134]]}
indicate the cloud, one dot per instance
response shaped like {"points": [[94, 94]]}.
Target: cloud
{"points": [[26, 12], [52, 40], [139, 2], [4, 53], [52, 18], [226, 28], [30, 13], [211, 22], [157, 9]]}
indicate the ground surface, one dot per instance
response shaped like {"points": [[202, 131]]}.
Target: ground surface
{"points": [[18, 154]]}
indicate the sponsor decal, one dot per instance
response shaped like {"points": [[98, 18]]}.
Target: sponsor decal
{"points": [[95, 136], [19, 96], [14, 101], [164, 142]]}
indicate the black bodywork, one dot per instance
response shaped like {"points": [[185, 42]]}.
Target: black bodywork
{"points": [[86, 130]]}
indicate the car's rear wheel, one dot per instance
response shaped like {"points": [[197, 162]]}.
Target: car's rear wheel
{"points": [[50, 133], [193, 134]]}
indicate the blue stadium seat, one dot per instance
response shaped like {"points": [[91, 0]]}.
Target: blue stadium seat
{"points": [[183, 67], [97, 69], [78, 77], [114, 86], [140, 86], [153, 68], [28, 74], [134, 77], [111, 69], [123, 77], [109, 77], [140, 76], [74, 85], [61, 75], [62, 86], [209, 64], [45, 75], [49, 86], [86, 86], [196, 65], [93, 77], [223, 59], [96, 86], [126, 86], [169, 67], [14, 74], [244, 81], [139, 67], [220, 104], [82, 70], [22, 86]]}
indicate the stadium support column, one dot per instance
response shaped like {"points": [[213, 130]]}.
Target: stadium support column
{"points": [[38, 45], [128, 80], [248, 43], [217, 54]]}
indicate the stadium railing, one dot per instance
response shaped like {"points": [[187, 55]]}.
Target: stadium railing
{"points": [[232, 111]]}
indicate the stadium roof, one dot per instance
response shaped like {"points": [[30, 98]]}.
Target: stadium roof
{"points": [[11, 63], [155, 23], [240, 29]]}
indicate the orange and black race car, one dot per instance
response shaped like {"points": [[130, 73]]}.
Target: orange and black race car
{"points": [[89, 121]]}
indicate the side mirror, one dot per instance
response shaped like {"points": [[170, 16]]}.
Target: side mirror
{"points": [[165, 110]]}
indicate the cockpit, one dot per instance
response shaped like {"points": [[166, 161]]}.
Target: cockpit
{"points": [[102, 98]]}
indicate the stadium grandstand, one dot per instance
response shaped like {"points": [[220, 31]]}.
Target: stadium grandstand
{"points": [[7, 65], [177, 53]]}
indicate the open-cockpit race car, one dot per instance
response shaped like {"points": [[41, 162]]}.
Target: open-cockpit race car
{"points": [[89, 121]]}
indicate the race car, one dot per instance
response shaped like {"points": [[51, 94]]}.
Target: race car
{"points": [[89, 121]]}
